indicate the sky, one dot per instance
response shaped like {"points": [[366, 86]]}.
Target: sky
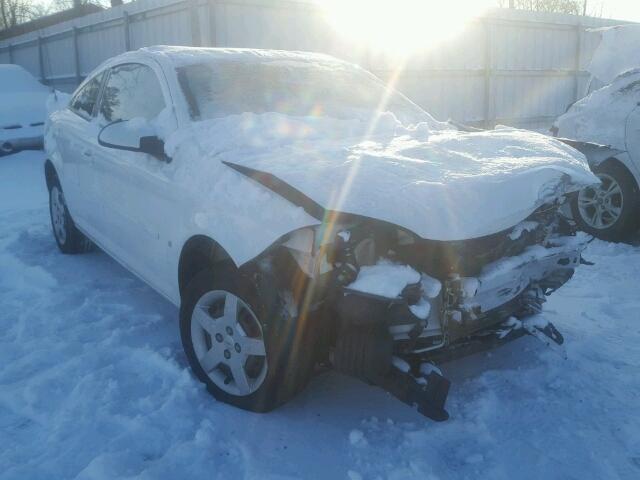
{"points": [[404, 26], [618, 9]]}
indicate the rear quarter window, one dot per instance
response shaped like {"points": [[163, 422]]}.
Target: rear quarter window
{"points": [[84, 101]]}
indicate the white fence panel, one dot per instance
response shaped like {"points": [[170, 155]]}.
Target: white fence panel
{"points": [[509, 67]]}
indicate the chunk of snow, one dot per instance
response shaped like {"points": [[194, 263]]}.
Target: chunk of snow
{"points": [[345, 235], [469, 286], [385, 279], [426, 368], [400, 364], [431, 287], [519, 229], [421, 309]]}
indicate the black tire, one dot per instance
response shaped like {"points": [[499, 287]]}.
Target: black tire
{"points": [[289, 360], [629, 217], [69, 239]]}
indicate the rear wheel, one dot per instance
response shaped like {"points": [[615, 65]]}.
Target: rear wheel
{"points": [[69, 239], [610, 210], [244, 346]]}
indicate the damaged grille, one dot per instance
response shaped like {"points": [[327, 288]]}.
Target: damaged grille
{"points": [[467, 257]]}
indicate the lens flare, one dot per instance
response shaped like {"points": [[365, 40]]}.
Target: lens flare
{"points": [[401, 26]]}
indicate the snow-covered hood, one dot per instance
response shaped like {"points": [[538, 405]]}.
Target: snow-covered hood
{"points": [[22, 108], [437, 182]]}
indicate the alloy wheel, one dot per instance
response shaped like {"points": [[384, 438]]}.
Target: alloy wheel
{"points": [[601, 206], [228, 342]]}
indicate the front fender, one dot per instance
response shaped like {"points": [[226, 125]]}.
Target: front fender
{"points": [[595, 153]]}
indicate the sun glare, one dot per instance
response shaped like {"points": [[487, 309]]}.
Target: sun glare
{"points": [[401, 26]]}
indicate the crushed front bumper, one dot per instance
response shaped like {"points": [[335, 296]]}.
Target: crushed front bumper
{"points": [[470, 314], [510, 285]]}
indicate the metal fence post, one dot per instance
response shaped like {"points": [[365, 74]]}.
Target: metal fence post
{"points": [[127, 33], [213, 41], [576, 73], [41, 60], [487, 74], [76, 55], [10, 48], [196, 41]]}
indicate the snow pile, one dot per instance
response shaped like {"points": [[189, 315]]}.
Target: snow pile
{"points": [[94, 383], [617, 52], [602, 116]]}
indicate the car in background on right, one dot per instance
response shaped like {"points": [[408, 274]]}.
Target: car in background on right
{"points": [[22, 109], [605, 127]]}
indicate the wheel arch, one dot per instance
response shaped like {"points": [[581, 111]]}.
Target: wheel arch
{"points": [[50, 173], [616, 162], [198, 253]]}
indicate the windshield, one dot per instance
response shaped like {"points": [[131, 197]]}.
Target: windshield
{"points": [[297, 89]]}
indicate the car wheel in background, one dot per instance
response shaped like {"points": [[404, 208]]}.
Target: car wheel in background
{"points": [[610, 210], [243, 345], [68, 237]]}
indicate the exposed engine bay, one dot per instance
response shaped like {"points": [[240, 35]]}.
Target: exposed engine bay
{"points": [[392, 305]]}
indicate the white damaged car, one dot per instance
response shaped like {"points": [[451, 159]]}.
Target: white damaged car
{"points": [[300, 214]]}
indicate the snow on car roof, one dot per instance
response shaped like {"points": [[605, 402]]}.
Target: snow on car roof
{"points": [[616, 53], [16, 78], [180, 56]]}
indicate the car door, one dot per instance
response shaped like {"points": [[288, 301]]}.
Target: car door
{"points": [[75, 134], [632, 138], [137, 199]]}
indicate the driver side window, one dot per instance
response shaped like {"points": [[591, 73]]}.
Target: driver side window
{"points": [[132, 91]]}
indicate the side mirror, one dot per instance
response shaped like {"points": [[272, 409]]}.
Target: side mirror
{"points": [[132, 136]]}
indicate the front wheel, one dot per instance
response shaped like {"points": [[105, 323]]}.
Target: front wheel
{"points": [[610, 210], [244, 348]]}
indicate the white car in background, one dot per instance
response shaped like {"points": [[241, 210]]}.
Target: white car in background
{"points": [[605, 126], [300, 213], [22, 109]]}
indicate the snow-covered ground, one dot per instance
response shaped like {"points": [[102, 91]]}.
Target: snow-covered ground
{"points": [[94, 384]]}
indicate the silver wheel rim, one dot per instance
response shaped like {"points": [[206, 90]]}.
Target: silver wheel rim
{"points": [[228, 342], [601, 206], [58, 214]]}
